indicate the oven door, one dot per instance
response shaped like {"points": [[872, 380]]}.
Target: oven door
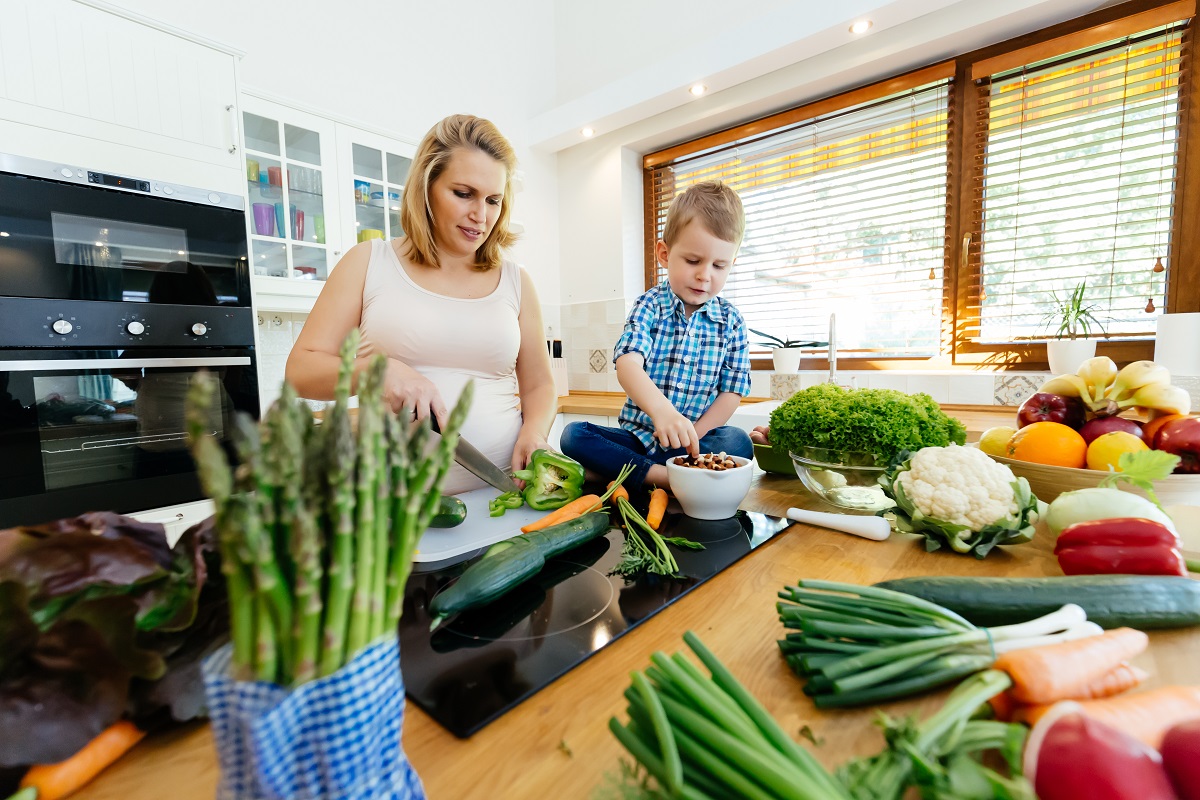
{"points": [[77, 241], [104, 430]]}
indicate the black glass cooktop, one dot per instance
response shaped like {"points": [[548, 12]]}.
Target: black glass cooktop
{"points": [[483, 662]]}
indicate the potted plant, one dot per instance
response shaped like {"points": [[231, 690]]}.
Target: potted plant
{"points": [[785, 353], [1072, 343]]}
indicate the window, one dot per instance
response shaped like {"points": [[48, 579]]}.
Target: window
{"points": [[838, 207], [943, 216]]}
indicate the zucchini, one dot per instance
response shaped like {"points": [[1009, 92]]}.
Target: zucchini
{"points": [[1111, 601], [503, 569], [451, 512]]}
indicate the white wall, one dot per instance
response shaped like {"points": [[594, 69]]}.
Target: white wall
{"points": [[400, 66], [599, 180]]}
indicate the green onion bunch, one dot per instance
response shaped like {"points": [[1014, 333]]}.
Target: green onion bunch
{"points": [[317, 523], [856, 645]]}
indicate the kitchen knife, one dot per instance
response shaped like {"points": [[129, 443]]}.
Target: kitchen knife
{"points": [[480, 465]]}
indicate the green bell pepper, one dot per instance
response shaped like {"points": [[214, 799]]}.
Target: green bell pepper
{"points": [[498, 505], [551, 480]]}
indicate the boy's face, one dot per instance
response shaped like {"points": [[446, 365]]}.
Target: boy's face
{"points": [[698, 264]]}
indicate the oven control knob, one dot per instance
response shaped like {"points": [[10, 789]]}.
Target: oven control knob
{"points": [[199, 329], [136, 328], [62, 326]]}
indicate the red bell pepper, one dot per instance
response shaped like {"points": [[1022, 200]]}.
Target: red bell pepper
{"points": [[1121, 546]]}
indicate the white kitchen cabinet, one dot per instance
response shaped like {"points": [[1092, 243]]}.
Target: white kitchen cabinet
{"points": [[98, 87], [288, 178], [372, 172]]}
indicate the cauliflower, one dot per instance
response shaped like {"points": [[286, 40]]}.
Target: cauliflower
{"points": [[960, 497]]}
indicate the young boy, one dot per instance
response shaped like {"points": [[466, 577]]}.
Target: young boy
{"points": [[683, 356]]}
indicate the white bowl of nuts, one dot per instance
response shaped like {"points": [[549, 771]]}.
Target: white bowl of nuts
{"points": [[710, 486]]}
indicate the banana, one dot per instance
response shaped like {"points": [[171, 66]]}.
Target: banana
{"points": [[1158, 398], [1098, 374], [1069, 386], [1135, 377]]}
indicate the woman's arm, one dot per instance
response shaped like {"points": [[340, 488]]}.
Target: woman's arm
{"points": [[535, 381], [312, 366]]}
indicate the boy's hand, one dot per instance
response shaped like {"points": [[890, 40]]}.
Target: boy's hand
{"points": [[673, 430]]}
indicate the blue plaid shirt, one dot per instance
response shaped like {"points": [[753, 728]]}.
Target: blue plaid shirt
{"points": [[691, 359]]}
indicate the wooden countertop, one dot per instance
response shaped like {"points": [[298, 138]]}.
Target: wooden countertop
{"points": [[557, 744]]}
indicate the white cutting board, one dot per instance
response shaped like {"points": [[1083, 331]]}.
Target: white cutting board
{"points": [[478, 530]]}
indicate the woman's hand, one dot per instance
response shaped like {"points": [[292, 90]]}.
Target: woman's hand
{"points": [[404, 387], [527, 442]]}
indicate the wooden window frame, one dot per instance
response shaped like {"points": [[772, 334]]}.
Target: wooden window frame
{"points": [[1183, 277]]}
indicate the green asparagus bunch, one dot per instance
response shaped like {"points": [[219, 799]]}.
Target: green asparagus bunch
{"points": [[317, 523]]}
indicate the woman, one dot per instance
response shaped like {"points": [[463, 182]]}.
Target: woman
{"points": [[443, 304]]}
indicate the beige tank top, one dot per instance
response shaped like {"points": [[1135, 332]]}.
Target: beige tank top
{"points": [[451, 340]]}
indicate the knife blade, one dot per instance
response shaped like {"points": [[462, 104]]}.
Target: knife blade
{"points": [[480, 465]]}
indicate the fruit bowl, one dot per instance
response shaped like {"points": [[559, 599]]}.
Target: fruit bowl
{"points": [[848, 480], [1048, 482]]}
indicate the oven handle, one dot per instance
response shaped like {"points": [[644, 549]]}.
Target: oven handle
{"points": [[123, 363]]}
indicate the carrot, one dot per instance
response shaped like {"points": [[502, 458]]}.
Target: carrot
{"points": [[1003, 706], [576, 508], [658, 507], [617, 491], [1120, 678], [53, 781], [1059, 671], [1146, 716]]}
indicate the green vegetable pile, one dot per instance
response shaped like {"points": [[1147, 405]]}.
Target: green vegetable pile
{"points": [[317, 525], [705, 737], [879, 421]]}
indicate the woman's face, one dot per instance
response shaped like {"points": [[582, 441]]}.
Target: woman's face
{"points": [[466, 200]]}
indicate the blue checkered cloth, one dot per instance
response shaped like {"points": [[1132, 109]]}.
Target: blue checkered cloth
{"points": [[691, 359], [337, 737]]}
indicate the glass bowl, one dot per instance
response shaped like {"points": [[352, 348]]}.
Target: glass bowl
{"points": [[847, 480]]}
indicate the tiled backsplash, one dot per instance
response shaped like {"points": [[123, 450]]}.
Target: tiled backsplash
{"points": [[976, 389], [277, 333]]}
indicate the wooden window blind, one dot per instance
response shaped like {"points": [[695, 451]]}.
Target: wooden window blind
{"points": [[1073, 181], [846, 213]]}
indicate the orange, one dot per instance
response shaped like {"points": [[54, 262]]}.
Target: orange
{"points": [[1105, 450], [1049, 443]]}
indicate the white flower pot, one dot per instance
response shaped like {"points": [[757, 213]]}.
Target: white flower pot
{"points": [[786, 359], [1065, 355]]}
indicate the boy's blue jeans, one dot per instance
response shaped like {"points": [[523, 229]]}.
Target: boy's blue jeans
{"points": [[606, 450]]}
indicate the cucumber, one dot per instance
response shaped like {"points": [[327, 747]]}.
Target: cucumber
{"points": [[1111, 601], [451, 511], [503, 569]]}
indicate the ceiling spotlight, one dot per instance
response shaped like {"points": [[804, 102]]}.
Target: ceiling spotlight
{"points": [[4, 233], [698, 89], [862, 26], [588, 133]]}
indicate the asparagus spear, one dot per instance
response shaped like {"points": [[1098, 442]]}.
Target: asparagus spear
{"points": [[370, 423], [216, 479], [340, 455]]}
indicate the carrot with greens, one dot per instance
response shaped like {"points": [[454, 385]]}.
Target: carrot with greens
{"points": [[1057, 671], [53, 781], [657, 507], [580, 506], [576, 508], [617, 491], [1146, 716]]}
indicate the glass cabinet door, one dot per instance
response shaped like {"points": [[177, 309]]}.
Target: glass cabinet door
{"points": [[378, 172], [285, 177]]}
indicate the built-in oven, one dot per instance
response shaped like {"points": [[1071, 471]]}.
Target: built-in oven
{"points": [[115, 291]]}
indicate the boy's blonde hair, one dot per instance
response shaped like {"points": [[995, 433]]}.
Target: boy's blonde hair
{"points": [[718, 208], [433, 154]]}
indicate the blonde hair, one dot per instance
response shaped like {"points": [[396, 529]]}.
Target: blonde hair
{"points": [[433, 154], [718, 208]]}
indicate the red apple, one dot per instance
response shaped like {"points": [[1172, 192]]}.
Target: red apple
{"points": [[1182, 437], [1047, 407], [1098, 426]]}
